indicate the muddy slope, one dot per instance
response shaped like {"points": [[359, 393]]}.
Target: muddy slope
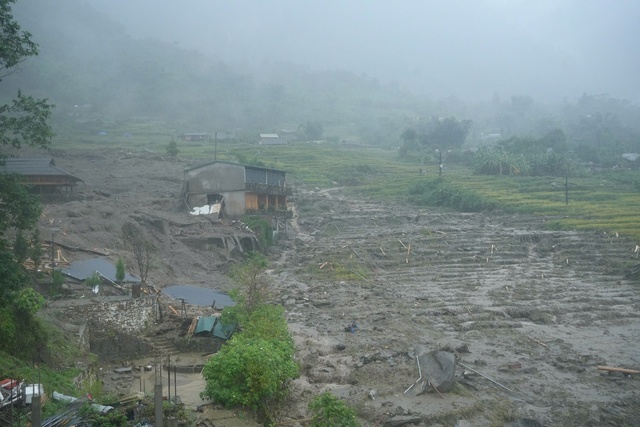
{"points": [[534, 310]]}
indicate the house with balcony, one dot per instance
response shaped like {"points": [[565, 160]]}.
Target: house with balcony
{"points": [[238, 189]]}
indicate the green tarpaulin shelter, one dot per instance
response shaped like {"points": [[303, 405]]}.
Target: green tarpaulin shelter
{"points": [[211, 326]]}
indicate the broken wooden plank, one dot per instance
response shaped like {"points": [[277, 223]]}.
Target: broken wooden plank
{"points": [[192, 327], [615, 369], [539, 342], [436, 389]]}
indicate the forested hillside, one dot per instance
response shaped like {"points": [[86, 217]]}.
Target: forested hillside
{"points": [[96, 73], [90, 68]]}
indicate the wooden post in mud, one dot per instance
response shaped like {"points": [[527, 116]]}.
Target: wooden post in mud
{"points": [[566, 187], [215, 148], [157, 394]]}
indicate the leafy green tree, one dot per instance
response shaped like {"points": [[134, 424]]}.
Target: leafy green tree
{"points": [[21, 247], [410, 142], [93, 280], [19, 210], [120, 272], [268, 322], [24, 120], [450, 133], [249, 371], [313, 130], [252, 285], [254, 368], [29, 301], [172, 149], [12, 276], [262, 228], [141, 247], [328, 410], [57, 280], [35, 250]]}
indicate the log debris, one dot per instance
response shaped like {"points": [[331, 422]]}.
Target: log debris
{"points": [[538, 342], [614, 369]]}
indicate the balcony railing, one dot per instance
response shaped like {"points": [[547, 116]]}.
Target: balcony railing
{"points": [[277, 190], [272, 212]]}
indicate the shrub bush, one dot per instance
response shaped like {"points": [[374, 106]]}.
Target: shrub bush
{"points": [[328, 410], [262, 228], [441, 192], [250, 371]]}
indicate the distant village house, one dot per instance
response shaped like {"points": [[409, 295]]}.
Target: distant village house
{"points": [[194, 136], [271, 139]]}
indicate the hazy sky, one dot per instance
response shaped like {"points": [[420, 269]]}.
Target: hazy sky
{"points": [[470, 49]]}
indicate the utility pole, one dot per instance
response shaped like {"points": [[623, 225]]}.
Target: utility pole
{"points": [[566, 186], [53, 250], [215, 149]]}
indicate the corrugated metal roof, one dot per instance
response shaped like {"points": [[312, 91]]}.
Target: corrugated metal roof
{"points": [[269, 135], [30, 166], [234, 164], [82, 270]]}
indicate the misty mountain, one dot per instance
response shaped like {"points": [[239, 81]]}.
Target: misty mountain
{"points": [[89, 61], [467, 49], [95, 68]]}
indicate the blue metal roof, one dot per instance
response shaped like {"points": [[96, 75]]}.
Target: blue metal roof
{"points": [[34, 166], [82, 270]]}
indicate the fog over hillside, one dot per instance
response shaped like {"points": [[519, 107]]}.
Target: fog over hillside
{"points": [[472, 50]]}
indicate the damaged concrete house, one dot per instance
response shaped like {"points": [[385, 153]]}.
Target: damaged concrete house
{"points": [[233, 190]]}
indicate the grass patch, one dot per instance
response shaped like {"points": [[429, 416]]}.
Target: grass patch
{"points": [[337, 270], [444, 192], [60, 380]]}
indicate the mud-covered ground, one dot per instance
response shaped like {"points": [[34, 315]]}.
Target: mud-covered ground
{"points": [[535, 311]]}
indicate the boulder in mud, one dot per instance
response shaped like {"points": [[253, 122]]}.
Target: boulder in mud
{"points": [[438, 369]]}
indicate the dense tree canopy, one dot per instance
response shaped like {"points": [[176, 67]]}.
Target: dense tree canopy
{"points": [[23, 121]]}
